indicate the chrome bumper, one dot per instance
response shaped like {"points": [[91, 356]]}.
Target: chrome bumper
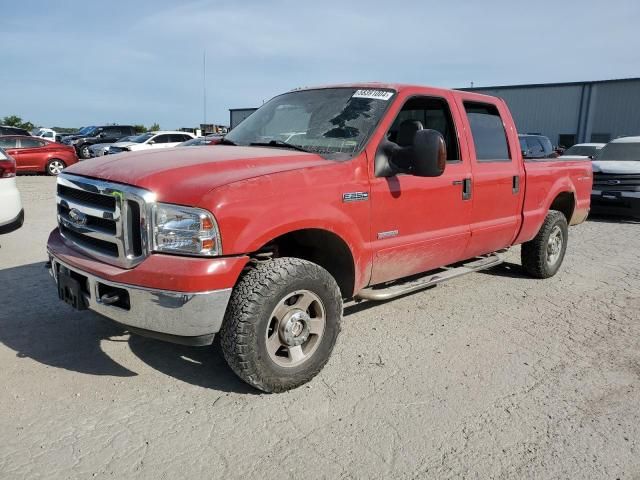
{"points": [[157, 313]]}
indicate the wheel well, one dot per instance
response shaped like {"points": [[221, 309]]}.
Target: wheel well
{"points": [[565, 203], [321, 247]]}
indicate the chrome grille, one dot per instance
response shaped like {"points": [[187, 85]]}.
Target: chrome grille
{"points": [[616, 182], [107, 221]]}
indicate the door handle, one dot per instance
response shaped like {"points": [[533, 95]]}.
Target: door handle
{"points": [[466, 187], [515, 185]]}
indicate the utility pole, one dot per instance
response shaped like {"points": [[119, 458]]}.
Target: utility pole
{"points": [[204, 85]]}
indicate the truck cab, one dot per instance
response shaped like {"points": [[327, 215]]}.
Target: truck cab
{"points": [[362, 191]]}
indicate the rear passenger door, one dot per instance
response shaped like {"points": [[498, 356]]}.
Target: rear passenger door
{"points": [[498, 174], [31, 155]]}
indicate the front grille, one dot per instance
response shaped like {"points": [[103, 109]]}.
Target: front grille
{"points": [[104, 220], [616, 182]]}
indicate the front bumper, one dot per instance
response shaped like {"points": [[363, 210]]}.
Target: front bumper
{"points": [[13, 224], [621, 203], [190, 318]]}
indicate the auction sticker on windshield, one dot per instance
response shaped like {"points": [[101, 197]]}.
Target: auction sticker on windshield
{"points": [[375, 94]]}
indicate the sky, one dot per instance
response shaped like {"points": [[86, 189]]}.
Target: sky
{"points": [[77, 63]]}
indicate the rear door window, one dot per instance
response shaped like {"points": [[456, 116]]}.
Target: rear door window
{"points": [[30, 143], [487, 130]]}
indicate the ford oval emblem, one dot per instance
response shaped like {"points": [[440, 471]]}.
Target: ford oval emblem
{"points": [[77, 217]]}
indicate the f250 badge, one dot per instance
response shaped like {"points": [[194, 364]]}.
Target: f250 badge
{"points": [[355, 196]]}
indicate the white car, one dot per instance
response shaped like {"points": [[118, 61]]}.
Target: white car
{"points": [[582, 150], [151, 140], [616, 178], [46, 133], [11, 212]]}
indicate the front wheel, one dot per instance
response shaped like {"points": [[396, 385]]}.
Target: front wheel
{"points": [[281, 324], [55, 166], [542, 256], [84, 152]]}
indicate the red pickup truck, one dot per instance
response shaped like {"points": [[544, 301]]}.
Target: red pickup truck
{"points": [[364, 191]]}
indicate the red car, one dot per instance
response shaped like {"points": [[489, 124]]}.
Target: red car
{"points": [[37, 155]]}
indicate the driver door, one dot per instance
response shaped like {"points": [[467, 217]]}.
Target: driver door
{"points": [[419, 223]]}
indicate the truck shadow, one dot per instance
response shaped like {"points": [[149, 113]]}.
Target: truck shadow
{"points": [[612, 219], [35, 324]]}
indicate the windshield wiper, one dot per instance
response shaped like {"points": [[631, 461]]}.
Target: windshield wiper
{"points": [[224, 141], [279, 143]]}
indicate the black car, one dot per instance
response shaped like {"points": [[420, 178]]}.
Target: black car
{"points": [[88, 136], [6, 130], [536, 146]]}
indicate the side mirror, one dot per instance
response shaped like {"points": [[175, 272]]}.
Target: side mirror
{"points": [[426, 157], [151, 142]]}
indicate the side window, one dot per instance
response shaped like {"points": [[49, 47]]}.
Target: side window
{"points": [[425, 113], [487, 130], [162, 139], [8, 142], [30, 143], [113, 132], [177, 138]]}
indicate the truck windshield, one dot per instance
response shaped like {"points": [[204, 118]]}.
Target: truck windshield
{"points": [[619, 151], [332, 122]]}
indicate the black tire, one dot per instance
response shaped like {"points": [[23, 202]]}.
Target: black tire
{"points": [[251, 311], [84, 152], [539, 258], [54, 167]]}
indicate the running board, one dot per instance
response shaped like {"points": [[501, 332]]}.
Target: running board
{"points": [[446, 273]]}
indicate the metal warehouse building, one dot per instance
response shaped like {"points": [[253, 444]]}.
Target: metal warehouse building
{"points": [[574, 112]]}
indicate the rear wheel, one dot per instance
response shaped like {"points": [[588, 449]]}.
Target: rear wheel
{"points": [[281, 324], [55, 166], [542, 256]]}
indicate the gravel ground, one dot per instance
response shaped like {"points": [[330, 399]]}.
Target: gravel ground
{"points": [[493, 375]]}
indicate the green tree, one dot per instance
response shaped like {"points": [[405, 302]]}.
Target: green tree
{"points": [[140, 128], [16, 121], [154, 127]]}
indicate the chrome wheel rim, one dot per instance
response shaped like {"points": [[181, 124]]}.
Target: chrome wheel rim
{"points": [[85, 152], [554, 245], [295, 328], [55, 167]]}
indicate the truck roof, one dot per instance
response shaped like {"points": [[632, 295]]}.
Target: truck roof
{"points": [[398, 87]]}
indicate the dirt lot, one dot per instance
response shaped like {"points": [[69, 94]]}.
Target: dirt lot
{"points": [[494, 375]]}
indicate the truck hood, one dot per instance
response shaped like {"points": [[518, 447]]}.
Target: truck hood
{"points": [[616, 167], [183, 175]]}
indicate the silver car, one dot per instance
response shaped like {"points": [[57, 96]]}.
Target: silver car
{"points": [[100, 149]]}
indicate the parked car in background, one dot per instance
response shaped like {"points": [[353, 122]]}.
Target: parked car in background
{"points": [[11, 212], [208, 140], [91, 135], [34, 154], [7, 130], [100, 149], [150, 140], [582, 150], [46, 133], [536, 147], [616, 178]]}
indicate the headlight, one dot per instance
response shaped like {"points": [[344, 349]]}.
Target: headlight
{"points": [[73, 142], [191, 231]]}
